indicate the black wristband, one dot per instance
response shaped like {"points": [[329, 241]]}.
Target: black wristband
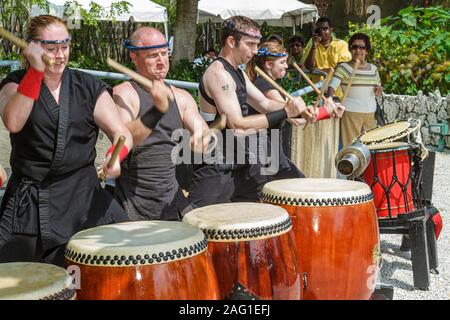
{"points": [[151, 117], [276, 117]]}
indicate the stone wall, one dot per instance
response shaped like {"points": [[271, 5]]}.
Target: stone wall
{"points": [[430, 109]]}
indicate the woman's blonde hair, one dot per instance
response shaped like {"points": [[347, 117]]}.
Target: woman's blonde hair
{"points": [[41, 22], [259, 60], [37, 24]]}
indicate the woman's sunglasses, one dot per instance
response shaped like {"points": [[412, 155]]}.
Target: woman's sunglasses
{"points": [[356, 47]]}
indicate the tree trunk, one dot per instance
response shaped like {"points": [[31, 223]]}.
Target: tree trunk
{"points": [[322, 6], [185, 30]]}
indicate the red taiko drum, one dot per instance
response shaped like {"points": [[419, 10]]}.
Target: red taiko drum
{"points": [[253, 249], [390, 178], [148, 260], [35, 281], [337, 236]]}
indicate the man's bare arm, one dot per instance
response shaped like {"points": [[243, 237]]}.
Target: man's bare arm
{"points": [[127, 102]]}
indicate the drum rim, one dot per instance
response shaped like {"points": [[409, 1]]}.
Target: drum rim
{"points": [[136, 256], [332, 199], [246, 230], [414, 125], [60, 289]]}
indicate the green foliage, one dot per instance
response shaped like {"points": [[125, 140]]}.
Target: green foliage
{"points": [[185, 70], [411, 50]]}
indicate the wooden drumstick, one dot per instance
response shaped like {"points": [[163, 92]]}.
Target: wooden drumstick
{"points": [[276, 86], [324, 88], [101, 174], [23, 45], [305, 76], [347, 89], [136, 77]]}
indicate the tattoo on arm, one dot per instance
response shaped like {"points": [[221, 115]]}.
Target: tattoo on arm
{"points": [[225, 87]]}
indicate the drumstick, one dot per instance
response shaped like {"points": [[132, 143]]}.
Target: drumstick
{"points": [[143, 81], [347, 90], [305, 76], [23, 45], [101, 174], [276, 86], [322, 92], [324, 88]]}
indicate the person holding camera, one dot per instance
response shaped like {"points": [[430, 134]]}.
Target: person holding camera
{"points": [[325, 51]]}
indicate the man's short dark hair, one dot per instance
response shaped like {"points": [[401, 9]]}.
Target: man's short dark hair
{"points": [[360, 36], [296, 39], [236, 27], [211, 50], [325, 19]]}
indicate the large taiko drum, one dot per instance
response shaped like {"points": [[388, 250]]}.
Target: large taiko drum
{"points": [[336, 231], [390, 177], [145, 260], [35, 281], [253, 249]]}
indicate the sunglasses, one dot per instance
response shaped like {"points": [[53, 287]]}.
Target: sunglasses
{"points": [[356, 47]]}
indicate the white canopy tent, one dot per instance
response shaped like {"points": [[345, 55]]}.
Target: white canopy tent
{"points": [[281, 13], [138, 10]]}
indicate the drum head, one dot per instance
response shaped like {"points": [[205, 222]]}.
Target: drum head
{"points": [[316, 192], [390, 132], [240, 221], [34, 281], [136, 243]]}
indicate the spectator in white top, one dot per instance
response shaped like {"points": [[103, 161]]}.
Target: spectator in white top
{"points": [[360, 103]]}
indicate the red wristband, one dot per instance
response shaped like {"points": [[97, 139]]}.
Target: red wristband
{"points": [[1, 182], [323, 114], [122, 155], [30, 86]]}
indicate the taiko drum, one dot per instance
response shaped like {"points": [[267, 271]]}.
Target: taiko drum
{"points": [[336, 232], [151, 260], [253, 249]]}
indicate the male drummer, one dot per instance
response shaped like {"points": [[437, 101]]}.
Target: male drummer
{"points": [[147, 188], [227, 91]]}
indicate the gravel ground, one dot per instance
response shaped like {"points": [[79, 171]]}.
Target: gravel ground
{"points": [[396, 270]]}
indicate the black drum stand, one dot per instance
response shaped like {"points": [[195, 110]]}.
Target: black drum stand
{"points": [[416, 226]]}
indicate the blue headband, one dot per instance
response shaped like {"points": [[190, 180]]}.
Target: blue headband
{"points": [[264, 52], [53, 41], [128, 45]]}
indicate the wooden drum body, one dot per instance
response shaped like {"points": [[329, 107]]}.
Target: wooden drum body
{"points": [[253, 249], [337, 236], [35, 281], [151, 260]]}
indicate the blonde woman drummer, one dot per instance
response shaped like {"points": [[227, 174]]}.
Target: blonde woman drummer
{"points": [[54, 114], [272, 58]]}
